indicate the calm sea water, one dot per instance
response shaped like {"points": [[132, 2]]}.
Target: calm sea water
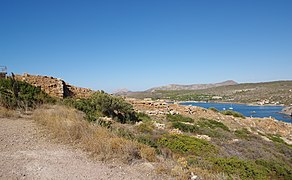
{"points": [[246, 110]]}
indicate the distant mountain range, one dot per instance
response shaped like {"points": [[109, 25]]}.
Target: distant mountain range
{"points": [[275, 92], [174, 87]]}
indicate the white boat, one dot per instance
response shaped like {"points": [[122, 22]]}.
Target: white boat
{"points": [[231, 108]]}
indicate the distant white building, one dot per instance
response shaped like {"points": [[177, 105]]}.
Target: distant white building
{"points": [[216, 97], [147, 99]]}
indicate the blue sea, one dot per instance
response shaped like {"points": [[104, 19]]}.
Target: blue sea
{"points": [[247, 110]]}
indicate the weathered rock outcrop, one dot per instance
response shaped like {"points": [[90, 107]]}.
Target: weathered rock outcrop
{"points": [[55, 87], [287, 110]]}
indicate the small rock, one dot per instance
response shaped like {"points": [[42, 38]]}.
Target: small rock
{"points": [[193, 176]]}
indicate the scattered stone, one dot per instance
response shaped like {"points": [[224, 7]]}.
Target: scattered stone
{"points": [[175, 131], [235, 140], [193, 176], [205, 137], [159, 126]]}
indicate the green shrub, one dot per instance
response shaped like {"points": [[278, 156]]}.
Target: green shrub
{"points": [[146, 139], [121, 132], [114, 107], [206, 127], [188, 145], [235, 167], [145, 127], [276, 169], [184, 127], [85, 106], [243, 133], [233, 113], [18, 94], [213, 109], [103, 104], [212, 124], [143, 117], [275, 138], [179, 118]]}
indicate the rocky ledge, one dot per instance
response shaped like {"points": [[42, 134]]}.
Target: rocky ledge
{"points": [[287, 110]]}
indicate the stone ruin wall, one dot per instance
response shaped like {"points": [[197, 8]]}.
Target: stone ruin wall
{"points": [[55, 87]]}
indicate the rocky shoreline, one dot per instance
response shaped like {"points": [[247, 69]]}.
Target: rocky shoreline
{"points": [[287, 110], [267, 125]]}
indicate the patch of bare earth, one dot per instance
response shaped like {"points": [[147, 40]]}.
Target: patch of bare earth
{"points": [[26, 153]]}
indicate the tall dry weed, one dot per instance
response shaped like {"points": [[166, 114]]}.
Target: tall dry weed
{"points": [[7, 113], [69, 125]]}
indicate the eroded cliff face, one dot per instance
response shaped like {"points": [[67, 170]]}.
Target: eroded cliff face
{"points": [[55, 87]]}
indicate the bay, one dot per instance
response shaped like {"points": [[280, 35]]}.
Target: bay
{"points": [[247, 110]]}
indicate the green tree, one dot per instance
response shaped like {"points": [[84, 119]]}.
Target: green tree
{"points": [[114, 107]]}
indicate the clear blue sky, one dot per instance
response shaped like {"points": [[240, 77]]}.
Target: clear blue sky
{"points": [[138, 44]]}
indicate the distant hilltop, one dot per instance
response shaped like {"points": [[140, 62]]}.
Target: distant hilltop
{"points": [[191, 87]]}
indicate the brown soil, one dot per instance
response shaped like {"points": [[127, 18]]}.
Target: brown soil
{"points": [[26, 153]]}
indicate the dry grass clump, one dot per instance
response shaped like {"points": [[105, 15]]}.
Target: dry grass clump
{"points": [[68, 125], [7, 113]]}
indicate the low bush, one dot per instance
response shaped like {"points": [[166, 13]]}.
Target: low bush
{"points": [[242, 133], [85, 106], [145, 127], [103, 104], [207, 127], [236, 168], [179, 118], [121, 132], [276, 170], [213, 109], [143, 117], [212, 124], [7, 113], [18, 94], [184, 127], [275, 138], [188, 145], [147, 139], [233, 113]]}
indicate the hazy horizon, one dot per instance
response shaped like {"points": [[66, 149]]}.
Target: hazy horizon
{"points": [[138, 45]]}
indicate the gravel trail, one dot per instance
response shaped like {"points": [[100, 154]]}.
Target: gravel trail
{"points": [[26, 153]]}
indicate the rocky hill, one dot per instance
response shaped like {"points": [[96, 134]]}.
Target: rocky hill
{"points": [[172, 87], [276, 92], [55, 87]]}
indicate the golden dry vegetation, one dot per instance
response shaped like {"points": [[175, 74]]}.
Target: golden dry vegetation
{"points": [[68, 125], [7, 113]]}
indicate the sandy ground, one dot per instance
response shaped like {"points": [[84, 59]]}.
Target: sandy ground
{"points": [[27, 154]]}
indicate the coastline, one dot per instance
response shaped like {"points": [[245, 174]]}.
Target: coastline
{"points": [[224, 102], [287, 110], [282, 115]]}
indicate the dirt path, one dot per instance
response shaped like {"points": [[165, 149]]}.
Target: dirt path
{"points": [[25, 154]]}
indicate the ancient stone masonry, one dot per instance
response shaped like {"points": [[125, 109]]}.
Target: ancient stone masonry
{"points": [[79, 92], [55, 87]]}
